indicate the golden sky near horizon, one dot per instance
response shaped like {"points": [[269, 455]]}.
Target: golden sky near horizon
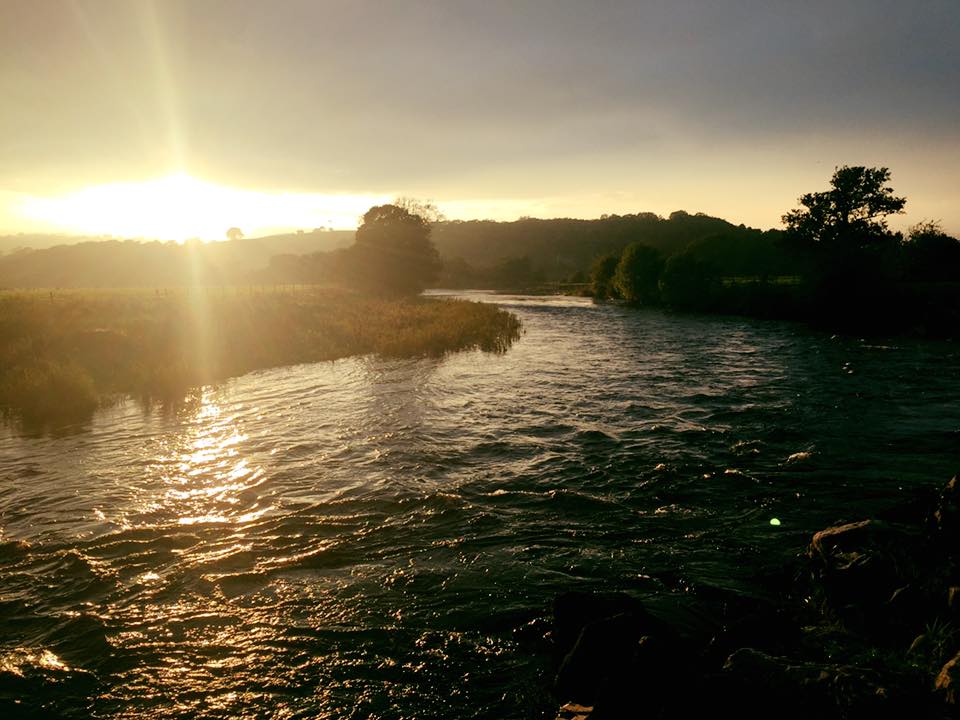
{"points": [[178, 119]]}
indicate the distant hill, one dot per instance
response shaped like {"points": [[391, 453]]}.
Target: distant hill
{"points": [[132, 263], [38, 241], [475, 253]]}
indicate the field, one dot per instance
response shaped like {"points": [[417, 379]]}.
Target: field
{"points": [[63, 353]]}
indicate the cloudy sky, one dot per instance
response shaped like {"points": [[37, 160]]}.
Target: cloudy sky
{"points": [[296, 113]]}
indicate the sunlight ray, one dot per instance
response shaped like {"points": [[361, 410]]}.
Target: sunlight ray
{"points": [[165, 86]]}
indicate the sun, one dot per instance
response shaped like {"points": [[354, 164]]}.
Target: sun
{"points": [[180, 206], [175, 207]]}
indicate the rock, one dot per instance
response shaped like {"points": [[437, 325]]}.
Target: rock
{"points": [[810, 689], [949, 680], [767, 681], [604, 653], [860, 567], [619, 647], [845, 542], [911, 605], [573, 711], [613, 663], [572, 611]]}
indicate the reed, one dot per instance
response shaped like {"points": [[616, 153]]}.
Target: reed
{"points": [[63, 353]]}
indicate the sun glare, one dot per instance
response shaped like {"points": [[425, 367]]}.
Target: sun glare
{"points": [[179, 207]]}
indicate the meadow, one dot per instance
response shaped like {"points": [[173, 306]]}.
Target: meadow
{"points": [[64, 353]]}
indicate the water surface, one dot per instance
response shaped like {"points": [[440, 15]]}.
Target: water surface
{"points": [[371, 538]]}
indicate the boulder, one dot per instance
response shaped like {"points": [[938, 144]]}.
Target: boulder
{"points": [[803, 689], [613, 670], [605, 654], [573, 711], [764, 681], [842, 544], [572, 611], [858, 568]]}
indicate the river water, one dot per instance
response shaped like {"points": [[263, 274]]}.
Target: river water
{"points": [[383, 539]]}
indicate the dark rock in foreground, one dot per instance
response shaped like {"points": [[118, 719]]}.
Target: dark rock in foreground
{"points": [[873, 632]]}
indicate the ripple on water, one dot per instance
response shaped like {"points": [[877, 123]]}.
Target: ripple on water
{"points": [[385, 538]]}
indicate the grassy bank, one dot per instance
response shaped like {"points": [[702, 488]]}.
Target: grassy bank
{"points": [[64, 353]]}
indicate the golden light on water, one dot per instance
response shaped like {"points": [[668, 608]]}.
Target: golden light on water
{"points": [[20, 660], [209, 474], [180, 206]]}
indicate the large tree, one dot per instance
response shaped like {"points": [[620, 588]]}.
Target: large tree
{"points": [[853, 256], [687, 282], [393, 253], [601, 276], [638, 273], [852, 213]]}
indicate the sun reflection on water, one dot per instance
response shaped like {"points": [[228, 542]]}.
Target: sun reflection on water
{"points": [[20, 661], [207, 478]]}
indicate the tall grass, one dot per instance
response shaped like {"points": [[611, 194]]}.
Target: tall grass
{"points": [[63, 353]]}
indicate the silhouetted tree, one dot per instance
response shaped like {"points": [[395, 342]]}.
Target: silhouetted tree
{"points": [[687, 282], [852, 212], [601, 276], [638, 273], [393, 253], [931, 254], [744, 253], [854, 257], [424, 208]]}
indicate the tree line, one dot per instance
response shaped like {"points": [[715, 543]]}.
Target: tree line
{"points": [[837, 259], [522, 254]]}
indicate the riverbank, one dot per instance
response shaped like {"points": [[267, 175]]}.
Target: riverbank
{"points": [[918, 310], [65, 353], [864, 624]]}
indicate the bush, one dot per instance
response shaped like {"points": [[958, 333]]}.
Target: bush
{"points": [[688, 283], [638, 273], [601, 276]]}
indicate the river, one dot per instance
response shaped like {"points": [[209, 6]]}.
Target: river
{"points": [[383, 539]]}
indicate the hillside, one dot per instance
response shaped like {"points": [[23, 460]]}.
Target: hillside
{"points": [[132, 263], [478, 253]]}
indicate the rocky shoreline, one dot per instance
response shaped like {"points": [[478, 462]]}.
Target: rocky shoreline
{"points": [[866, 623]]}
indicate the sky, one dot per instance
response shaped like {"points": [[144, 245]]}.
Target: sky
{"points": [[181, 118]]}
